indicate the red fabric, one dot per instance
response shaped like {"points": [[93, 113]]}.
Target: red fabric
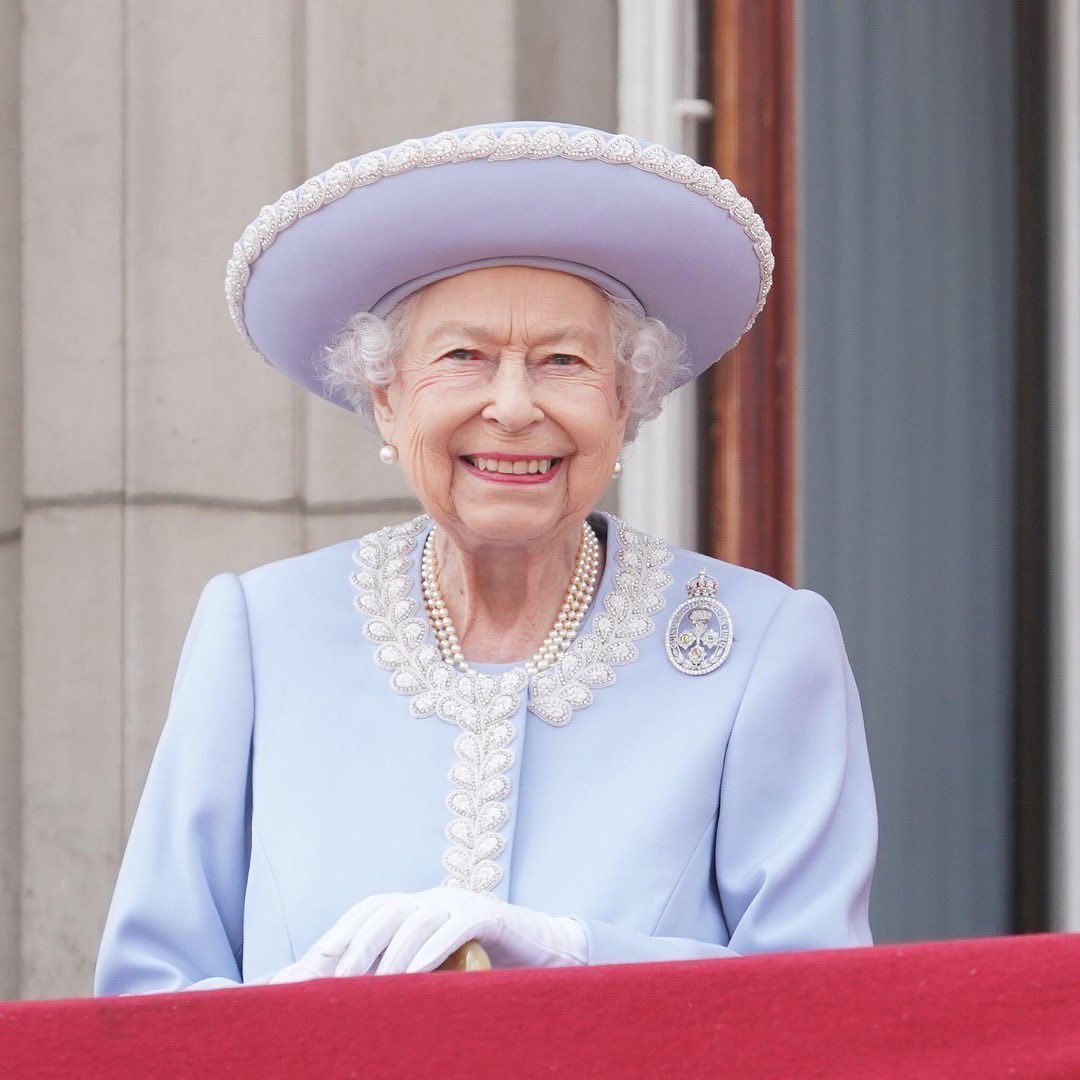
{"points": [[982, 1007]]}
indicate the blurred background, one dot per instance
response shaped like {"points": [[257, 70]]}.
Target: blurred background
{"points": [[900, 432]]}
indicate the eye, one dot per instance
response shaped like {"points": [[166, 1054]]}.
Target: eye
{"points": [[564, 360], [461, 354]]}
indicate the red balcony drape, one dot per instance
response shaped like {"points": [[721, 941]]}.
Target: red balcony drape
{"points": [[973, 1008]]}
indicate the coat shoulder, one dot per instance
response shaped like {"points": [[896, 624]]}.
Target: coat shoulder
{"points": [[300, 570], [307, 575], [753, 598], [750, 583], [750, 597]]}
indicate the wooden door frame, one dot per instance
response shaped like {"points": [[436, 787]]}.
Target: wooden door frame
{"points": [[748, 400]]}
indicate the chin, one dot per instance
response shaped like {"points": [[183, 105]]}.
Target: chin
{"points": [[508, 523]]}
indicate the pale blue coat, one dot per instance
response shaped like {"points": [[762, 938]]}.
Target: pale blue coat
{"points": [[676, 816]]}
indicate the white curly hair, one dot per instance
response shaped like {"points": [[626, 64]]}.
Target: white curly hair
{"points": [[650, 357]]}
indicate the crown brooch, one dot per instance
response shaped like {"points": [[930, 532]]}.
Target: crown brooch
{"points": [[702, 585], [700, 630]]}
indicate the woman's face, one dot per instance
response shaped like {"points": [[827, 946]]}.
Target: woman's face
{"points": [[504, 411]]}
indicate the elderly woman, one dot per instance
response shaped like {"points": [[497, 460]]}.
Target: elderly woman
{"points": [[514, 719]]}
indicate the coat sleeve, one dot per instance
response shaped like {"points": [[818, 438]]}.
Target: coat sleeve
{"points": [[177, 912], [797, 832]]}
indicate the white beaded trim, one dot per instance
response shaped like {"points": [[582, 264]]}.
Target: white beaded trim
{"points": [[448, 148], [482, 704], [637, 593]]}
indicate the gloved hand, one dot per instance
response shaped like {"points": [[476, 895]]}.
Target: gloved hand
{"points": [[418, 931], [312, 965]]}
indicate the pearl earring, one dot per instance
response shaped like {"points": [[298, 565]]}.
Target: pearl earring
{"points": [[617, 471], [387, 454]]}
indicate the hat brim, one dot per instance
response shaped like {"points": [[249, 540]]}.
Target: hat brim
{"points": [[680, 239]]}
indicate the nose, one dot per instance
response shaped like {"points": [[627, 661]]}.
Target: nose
{"points": [[513, 404]]}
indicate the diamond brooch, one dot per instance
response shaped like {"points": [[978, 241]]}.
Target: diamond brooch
{"points": [[700, 631]]}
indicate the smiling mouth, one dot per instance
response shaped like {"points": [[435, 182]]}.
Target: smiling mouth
{"points": [[511, 466]]}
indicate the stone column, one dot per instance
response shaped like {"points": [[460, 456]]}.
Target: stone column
{"points": [[10, 499], [73, 334]]}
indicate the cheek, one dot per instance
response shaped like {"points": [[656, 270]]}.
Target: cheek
{"points": [[590, 413], [430, 415]]}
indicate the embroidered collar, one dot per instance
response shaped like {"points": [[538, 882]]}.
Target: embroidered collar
{"points": [[481, 703], [634, 592]]}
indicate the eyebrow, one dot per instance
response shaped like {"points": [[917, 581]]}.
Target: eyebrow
{"points": [[572, 331]]}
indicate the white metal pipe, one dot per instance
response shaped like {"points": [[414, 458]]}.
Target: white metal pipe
{"points": [[658, 491]]}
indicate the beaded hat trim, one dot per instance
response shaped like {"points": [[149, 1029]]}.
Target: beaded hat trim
{"points": [[483, 144]]}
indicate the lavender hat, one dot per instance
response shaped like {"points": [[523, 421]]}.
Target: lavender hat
{"points": [[631, 216]]}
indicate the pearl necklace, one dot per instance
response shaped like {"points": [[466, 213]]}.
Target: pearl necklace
{"points": [[578, 598]]}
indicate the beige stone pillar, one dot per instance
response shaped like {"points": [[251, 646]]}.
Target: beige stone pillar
{"points": [[10, 500], [72, 218]]}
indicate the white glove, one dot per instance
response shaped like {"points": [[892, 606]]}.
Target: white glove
{"points": [[418, 931], [310, 966]]}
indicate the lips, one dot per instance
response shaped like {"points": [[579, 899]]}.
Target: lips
{"points": [[512, 468]]}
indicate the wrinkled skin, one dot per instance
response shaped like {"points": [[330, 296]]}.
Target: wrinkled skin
{"points": [[506, 360]]}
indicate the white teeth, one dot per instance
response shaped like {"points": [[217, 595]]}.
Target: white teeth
{"points": [[530, 465]]}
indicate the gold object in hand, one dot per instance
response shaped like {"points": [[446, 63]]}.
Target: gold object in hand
{"points": [[472, 956]]}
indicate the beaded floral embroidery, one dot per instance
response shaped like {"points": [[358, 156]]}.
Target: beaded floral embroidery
{"points": [[481, 704], [637, 594]]}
